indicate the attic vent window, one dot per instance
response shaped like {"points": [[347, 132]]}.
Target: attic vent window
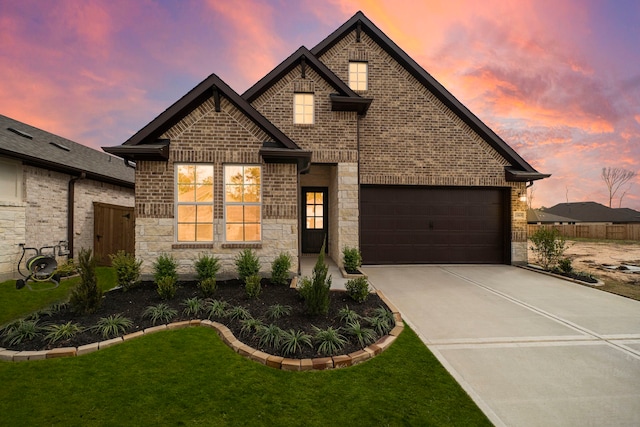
{"points": [[60, 146], [21, 133]]}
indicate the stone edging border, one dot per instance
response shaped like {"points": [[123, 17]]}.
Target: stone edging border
{"points": [[277, 362]]}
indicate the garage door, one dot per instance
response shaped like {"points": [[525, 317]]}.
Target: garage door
{"points": [[433, 225]]}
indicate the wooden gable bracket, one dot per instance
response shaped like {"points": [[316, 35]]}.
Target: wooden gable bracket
{"points": [[216, 99], [358, 29], [303, 64]]}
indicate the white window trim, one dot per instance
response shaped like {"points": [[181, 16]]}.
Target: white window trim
{"points": [[225, 203], [195, 203], [313, 107]]}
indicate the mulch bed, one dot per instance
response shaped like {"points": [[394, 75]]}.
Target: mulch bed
{"points": [[131, 304]]}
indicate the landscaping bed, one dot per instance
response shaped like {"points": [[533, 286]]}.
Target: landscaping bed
{"points": [[133, 303]]}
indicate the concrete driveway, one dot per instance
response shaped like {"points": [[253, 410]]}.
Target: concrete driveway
{"points": [[531, 350]]}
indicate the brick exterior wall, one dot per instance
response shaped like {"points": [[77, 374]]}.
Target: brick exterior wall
{"points": [[41, 220], [225, 137], [409, 137]]}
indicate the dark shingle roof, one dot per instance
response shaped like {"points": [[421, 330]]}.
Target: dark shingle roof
{"points": [[594, 212], [39, 148], [535, 216]]}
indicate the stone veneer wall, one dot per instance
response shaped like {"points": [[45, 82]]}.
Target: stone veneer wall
{"points": [[41, 220], [219, 138], [409, 137]]}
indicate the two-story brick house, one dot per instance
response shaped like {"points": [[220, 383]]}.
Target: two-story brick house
{"points": [[352, 142]]}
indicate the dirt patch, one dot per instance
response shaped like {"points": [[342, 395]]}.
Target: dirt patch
{"points": [[611, 262]]}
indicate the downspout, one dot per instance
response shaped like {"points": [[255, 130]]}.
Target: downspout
{"points": [[71, 211]]}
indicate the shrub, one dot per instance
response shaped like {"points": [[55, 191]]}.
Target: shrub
{"points": [[112, 326], [292, 341], [86, 297], [193, 306], [316, 292], [247, 264], [365, 336], [207, 266], [252, 286], [358, 289], [565, 266], [277, 311], [280, 269], [351, 259], [271, 336], [21, 330], [330, 341], [548, 246], [65, 331], [127, 269], [208, 286], [166, 287], [216, 308], [165, 266], [161, 312]]}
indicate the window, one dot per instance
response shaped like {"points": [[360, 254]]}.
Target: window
{"points": [[194, 203], [10, 181], [358, 75], [303, 108], [243, 202]]}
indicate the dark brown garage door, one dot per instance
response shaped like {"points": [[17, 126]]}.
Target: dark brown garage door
{"points": [[433, 225]]}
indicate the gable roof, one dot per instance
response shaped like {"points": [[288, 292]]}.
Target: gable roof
{"points": [[594, 212], [345, 100], [520, 170], [43, 149], [145, 144]]}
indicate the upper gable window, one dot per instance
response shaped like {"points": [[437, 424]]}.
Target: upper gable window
{"points": [[194, 202], [303, 108], [358, 76]]}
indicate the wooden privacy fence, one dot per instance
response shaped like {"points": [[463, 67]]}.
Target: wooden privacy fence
{"points": [[595, 231]]}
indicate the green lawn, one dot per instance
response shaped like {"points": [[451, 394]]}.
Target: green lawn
{"points": [[16, 303], [190, 377]]}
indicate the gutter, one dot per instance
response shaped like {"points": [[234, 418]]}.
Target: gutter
{"points": [[71, 211]]}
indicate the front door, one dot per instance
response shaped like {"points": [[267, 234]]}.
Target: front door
{"points": [[315, 226]]}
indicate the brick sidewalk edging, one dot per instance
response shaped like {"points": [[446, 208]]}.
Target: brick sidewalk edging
{"points": [[277, 362]]}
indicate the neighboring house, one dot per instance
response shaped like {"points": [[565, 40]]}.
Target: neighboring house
{"points": [[352, 143], [595, 213], [53, 189], [537, 216]]}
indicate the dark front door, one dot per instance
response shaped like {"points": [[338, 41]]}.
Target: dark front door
{"points": [[314, 219]]}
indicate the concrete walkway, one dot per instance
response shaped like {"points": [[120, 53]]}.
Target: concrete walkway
{"points": [[530, 349]]}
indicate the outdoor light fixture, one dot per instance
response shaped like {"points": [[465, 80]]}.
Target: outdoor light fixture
{"points": [[523, 197]]}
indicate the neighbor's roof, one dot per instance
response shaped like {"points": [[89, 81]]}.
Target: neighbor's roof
{"points": [[40, 148], [520, 170], [594, 212], [544, 217]]}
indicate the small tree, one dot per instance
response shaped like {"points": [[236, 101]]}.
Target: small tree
{"points": [[127, 269], [548, 246], [86, 297], [316, 291]]}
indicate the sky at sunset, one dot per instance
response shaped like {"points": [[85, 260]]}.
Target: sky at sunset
{"points": [[558, 80]]}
